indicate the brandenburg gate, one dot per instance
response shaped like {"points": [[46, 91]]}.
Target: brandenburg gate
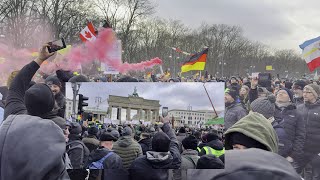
{"points": [[134, 102]]}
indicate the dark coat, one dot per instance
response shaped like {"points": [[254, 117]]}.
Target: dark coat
{"points": [[155, 165], [311, 117], [294, 126], [146, 145]]}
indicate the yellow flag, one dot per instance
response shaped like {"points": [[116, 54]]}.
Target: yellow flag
{"points": [[269, 68]]}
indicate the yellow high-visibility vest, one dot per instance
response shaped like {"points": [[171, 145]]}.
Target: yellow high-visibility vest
{"points": [[212, 151]]}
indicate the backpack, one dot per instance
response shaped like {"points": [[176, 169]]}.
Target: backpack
{"points": [[99, 164], [84, 155]]}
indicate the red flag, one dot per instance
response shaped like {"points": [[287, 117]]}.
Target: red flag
{"points": [[88, 33]]}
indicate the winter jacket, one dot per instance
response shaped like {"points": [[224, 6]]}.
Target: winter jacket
{"points": [[311, 117], [91, 142], [155, 165], [294, 126], [128, 149], [41, 155], [189, 159], [257, 127], [146, 145], [249, 164], [234, 113], [77, 152]]}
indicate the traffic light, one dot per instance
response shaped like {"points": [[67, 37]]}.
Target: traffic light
{"points": [[82, 103]]}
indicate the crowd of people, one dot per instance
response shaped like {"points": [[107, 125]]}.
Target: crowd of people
{"points": [[271, 132]]}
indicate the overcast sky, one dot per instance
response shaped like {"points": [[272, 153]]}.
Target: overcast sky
{"points": [[171, 95], [280, 24]]}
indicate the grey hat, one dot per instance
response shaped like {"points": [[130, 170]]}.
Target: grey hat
{"points": [[127, 131], [115, 133], [264, 106], [315, 89]]}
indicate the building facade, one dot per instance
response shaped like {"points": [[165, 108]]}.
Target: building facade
{"points": [[191, 117]]}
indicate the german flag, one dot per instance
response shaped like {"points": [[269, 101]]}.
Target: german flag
{"points": [[196, 62]]}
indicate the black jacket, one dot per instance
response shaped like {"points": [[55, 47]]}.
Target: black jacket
{"points": [[249, 164], [155, 165], [293, 123], [146, 145], [311, 117], [78, 156]]}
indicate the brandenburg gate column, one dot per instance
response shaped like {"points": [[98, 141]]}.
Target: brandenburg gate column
{"points": [[149, 117], [128, 114], [110, 111]]}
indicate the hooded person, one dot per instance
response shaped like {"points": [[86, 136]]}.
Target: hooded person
{"points": [[127, 148], [25, 114], [56, 87], [165, 155], [249, 164], [252, 131]]}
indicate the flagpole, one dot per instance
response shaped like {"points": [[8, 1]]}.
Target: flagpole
{"points": [[210, 99]]}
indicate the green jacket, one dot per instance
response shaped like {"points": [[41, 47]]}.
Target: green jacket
{"points": [[257, 127], [128, 149]]}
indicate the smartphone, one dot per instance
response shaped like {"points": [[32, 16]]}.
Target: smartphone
{"points": [[56, 45], [164, 111]]}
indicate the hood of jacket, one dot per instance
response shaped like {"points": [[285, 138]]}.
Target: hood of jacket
{"points": [[257, 127], [159, 160], [125, 141], [249, 164], [33, 145]]}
